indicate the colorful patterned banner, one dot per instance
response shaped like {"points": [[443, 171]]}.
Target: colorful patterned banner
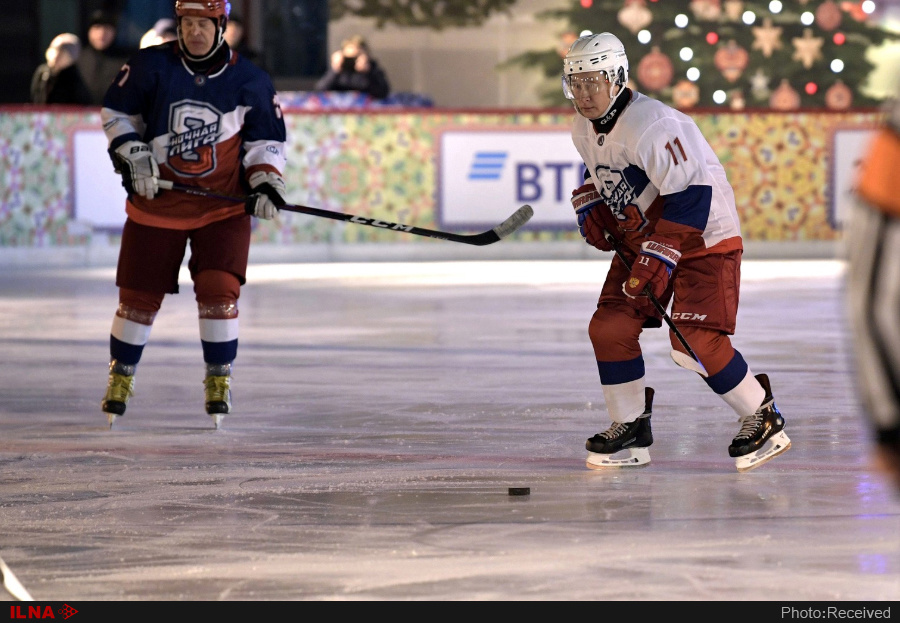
{"points": [[383, 164]]}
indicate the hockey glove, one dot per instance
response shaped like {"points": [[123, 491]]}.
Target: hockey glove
{"points": [[267, 196], [134, 161], [584, 199], [651, 271]]}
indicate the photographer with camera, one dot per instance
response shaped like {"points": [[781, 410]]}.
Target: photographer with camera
{"points": [[353, 69]]}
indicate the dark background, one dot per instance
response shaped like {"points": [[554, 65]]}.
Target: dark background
{"points": [[291, 36]]}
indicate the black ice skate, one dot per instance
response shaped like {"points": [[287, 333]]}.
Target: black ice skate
{"points": [[762, 435], [623, 445]]}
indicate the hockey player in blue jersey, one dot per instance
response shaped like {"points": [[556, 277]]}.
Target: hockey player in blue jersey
{"points": [[656, 186], [193, 112]]}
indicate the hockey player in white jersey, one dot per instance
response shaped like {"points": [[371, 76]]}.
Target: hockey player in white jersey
{"points": [[196, 113], [655, 187]]}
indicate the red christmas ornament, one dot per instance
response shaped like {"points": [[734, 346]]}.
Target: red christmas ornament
{"points": [[828, 15], [587, 3], [655, 71], [685, 94], [811, 88], [784, 97], [731, 60], [838, 96], [712, 38], [839, 38]]}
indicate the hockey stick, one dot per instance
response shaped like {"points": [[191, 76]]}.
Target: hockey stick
{"points": [[12, 584], [504, 229], [693, 363]]}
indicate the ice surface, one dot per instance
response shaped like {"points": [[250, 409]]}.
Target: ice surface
{"points": [[381, 413]]}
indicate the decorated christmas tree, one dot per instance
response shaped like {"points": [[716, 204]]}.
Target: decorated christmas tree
{"points": [[734, 54]]}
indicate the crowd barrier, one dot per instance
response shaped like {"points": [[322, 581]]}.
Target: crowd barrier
{"points": [[439, 169]]}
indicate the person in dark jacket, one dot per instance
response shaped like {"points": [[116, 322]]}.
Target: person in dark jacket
{"points": [[58, 81], [236, 39], [353, 69], [100, 60]]}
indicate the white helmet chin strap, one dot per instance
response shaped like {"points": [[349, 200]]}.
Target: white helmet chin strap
{"points": [[612, 98]]}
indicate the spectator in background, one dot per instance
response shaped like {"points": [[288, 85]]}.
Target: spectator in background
{"points": [[353, 69], [163, 31], [100, 61], [234, 37], [58, 81]]}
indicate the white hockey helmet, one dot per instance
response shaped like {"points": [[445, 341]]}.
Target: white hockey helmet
{"points": [[601, 52], [596, 52], [216, 10]]}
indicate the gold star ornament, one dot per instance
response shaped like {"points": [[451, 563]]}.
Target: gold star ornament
{"points": [[767, 38], [807, 49]]}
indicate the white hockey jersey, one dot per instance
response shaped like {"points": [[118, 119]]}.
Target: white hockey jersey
{"points": [[656, 172]]}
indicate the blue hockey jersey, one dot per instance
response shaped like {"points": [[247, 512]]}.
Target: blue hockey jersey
{"points": [[212, 131]]}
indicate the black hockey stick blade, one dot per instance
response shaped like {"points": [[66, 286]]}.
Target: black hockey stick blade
{"points": [[504, 229], [692, 362]]}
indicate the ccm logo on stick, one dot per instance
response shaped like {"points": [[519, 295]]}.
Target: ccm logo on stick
{"points": [[376, 223]]}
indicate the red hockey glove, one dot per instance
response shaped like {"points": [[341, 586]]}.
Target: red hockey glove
{"points": [[590, 226], [651, 270]]}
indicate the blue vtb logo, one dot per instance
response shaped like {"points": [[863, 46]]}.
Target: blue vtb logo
{"points": [[532, 180], [488, 165]]}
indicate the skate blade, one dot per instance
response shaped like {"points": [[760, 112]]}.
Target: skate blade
{"points": [[217, 420], [112, 418], [632, 457], [777, 444]]}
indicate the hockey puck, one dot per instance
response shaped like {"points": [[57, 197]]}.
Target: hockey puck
{"points": [[520, 490]]}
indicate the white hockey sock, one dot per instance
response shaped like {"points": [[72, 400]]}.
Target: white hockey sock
{"points": [[747, 397], [130, 332], [625, 402]]}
